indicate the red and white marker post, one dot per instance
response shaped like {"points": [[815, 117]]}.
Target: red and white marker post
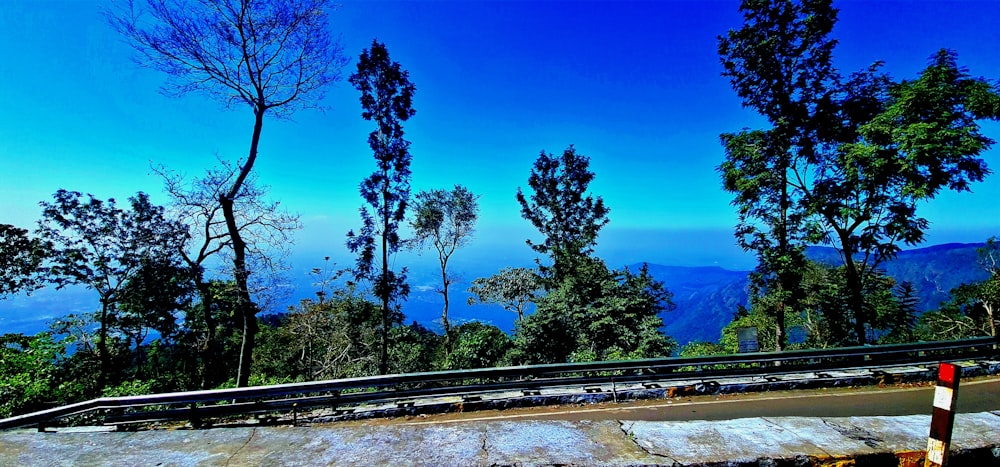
{"points": [[943, 418]]}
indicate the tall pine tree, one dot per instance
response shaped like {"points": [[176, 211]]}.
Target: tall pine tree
{"points": [[386, 99], [562, 210]]}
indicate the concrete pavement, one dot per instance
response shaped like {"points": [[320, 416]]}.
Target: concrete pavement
{"points": [[744, 442]]}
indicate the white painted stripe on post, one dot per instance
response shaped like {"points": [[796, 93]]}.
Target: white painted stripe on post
{"points": [[935, 451], [943, 398]]}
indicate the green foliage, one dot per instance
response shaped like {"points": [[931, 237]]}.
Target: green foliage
{"points": [[930, 132], [386, 99], [626, 317], [512, 288], [562, 210], [597, 314], [967, 314], [28, 373], [152, 298], [703, 349], [103, 247], [329, 339], [75, 333], [824, 316], [589, 311], [543, 337], [129, 388], [779, 61], [275, 355], [414, 349], [445, 218], [896, 318], [21, 259], [258, 380], [479, 345], [902, 143], [951, 323], [827, 317], [211, 335], [988, 291], [100, 245]]}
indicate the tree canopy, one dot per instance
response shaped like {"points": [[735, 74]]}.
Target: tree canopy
{"points": [[387, 100], [847, 158], [104, 247], [447, 220], [562, 210], [514, 289], [21, 257]]}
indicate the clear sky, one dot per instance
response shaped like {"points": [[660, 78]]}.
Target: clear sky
{"points": [[635, 86]]}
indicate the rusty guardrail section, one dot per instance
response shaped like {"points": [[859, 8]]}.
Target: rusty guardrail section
{"points": [[192, 406]]}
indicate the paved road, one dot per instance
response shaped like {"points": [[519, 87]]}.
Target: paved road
{"points": [[981, 395], [580, 437]]}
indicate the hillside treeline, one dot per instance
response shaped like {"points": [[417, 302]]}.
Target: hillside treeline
{"points": [[187, 291]]}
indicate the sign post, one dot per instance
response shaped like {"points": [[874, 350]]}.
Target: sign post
{"points": [[943, 418]]}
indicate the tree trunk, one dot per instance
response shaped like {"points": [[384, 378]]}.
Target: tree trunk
{"points": [[386, 292], [856, 300], [784, 278], [779, 335], [209, 355], [990, 316], [444, 312], [102, 347], [245, 306]]}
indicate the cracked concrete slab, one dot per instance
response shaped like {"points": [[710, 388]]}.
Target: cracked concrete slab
{"points": [[976, 429], [525, 443], [721, 441], [124, 449], [575, 443], [910, 432], [430, 445]]}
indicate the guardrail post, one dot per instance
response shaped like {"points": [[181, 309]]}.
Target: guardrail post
{"points": [[195, 419], [943, 418]]}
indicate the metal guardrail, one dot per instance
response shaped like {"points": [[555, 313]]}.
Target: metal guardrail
{"points": [[333, 393]]}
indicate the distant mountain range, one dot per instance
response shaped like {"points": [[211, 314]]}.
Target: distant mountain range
{"points": [[933, 270], [707, 297]]}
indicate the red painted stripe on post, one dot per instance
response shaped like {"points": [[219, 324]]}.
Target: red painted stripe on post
{"points": [[948, 375]]}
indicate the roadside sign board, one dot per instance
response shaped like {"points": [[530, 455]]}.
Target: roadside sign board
{"points": [[748, 339]]}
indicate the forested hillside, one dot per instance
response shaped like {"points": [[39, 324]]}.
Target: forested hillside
{"points": [[934, 271], [707, 298]]}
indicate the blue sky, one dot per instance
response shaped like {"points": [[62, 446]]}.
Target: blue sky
{"points": [[635, 86]]}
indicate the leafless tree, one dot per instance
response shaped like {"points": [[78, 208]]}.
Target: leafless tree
{"points": [[273, 56], [265, 226]]}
